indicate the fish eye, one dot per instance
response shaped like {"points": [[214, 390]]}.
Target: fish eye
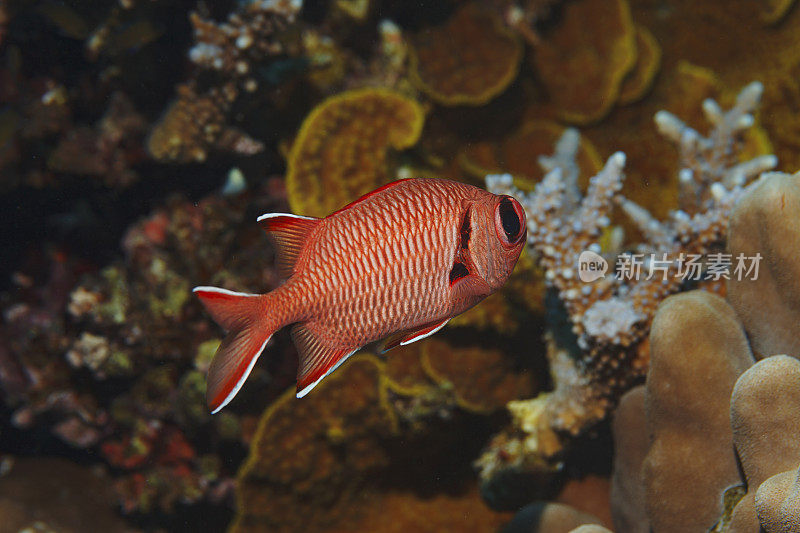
{"points": [[511, 219]]}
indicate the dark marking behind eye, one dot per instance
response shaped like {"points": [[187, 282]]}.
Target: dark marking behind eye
{"points": [[466, 230], [458, 271]]}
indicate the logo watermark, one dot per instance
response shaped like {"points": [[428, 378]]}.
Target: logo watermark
{"points": [[591, 266], [685, 267]]}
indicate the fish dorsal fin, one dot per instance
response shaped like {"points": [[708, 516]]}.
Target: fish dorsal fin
{"points": [[370, 194], [316, 359], [289, 232], [407, 337]]}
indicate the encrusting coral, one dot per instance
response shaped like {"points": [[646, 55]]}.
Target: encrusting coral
{"points": [[310, 461], [342, 148], [583, 63], [599, 350], [648, 60], [518, 154], [467, 61]]}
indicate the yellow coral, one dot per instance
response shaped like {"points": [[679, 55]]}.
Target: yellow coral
{"points": [[404, 372], [467, 61], [399, 510], [311, 461], [341, 150], [482, 379], [776, 10], [648, 60], [583, 61], [519, 154], [308, 457]]}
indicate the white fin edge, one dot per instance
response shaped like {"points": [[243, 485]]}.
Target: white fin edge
{"points": [[424, 335], [265, 216], [308, 388], [206, 288], [241, 381]]}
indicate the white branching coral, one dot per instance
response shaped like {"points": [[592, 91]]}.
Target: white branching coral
{"points": [[600, 353], [235, 47]]}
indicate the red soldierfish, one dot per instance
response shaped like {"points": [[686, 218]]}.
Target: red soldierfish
{"points": [[396, 264]]}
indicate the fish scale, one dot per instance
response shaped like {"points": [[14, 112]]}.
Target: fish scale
{"points": [[396, 264]]}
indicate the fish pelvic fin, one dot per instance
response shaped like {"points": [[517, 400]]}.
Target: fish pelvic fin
{"points": [[289, 233], [249, 329], [407, 337], [316, 359]]}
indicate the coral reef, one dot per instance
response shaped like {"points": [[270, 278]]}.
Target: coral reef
{"points": [[341, 150], [763, 223], [627, 490], [234, 52], [583, 63], [481, 380], [648, 60], [518, 154], [548, 518], [194, 123], [107, 150], [765, 445], [776, 10], [682, 471], [114, 361], [110, 107], [694, 335], [467, 61], [608, 319], [308, 458], [311, 462], [55, 495]]}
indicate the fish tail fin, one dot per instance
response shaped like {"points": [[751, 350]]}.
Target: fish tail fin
{"points": [[249, 327]]}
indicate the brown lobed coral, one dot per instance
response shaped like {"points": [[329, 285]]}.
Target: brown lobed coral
{"points": [[583, 61], [468, 61], [709, 408], [316, 464], [341, 150]]}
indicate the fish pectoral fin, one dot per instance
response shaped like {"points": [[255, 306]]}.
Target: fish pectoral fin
{"points": [[289, 233], [316, 359], [407, 337], [469, 287]]}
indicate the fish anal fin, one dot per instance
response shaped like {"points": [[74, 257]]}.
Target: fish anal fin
{"points": [[289, 233], [316, 359], [407, 337]]}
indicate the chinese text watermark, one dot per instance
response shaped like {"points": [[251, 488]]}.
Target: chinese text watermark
{"points": [[684, 267]]}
